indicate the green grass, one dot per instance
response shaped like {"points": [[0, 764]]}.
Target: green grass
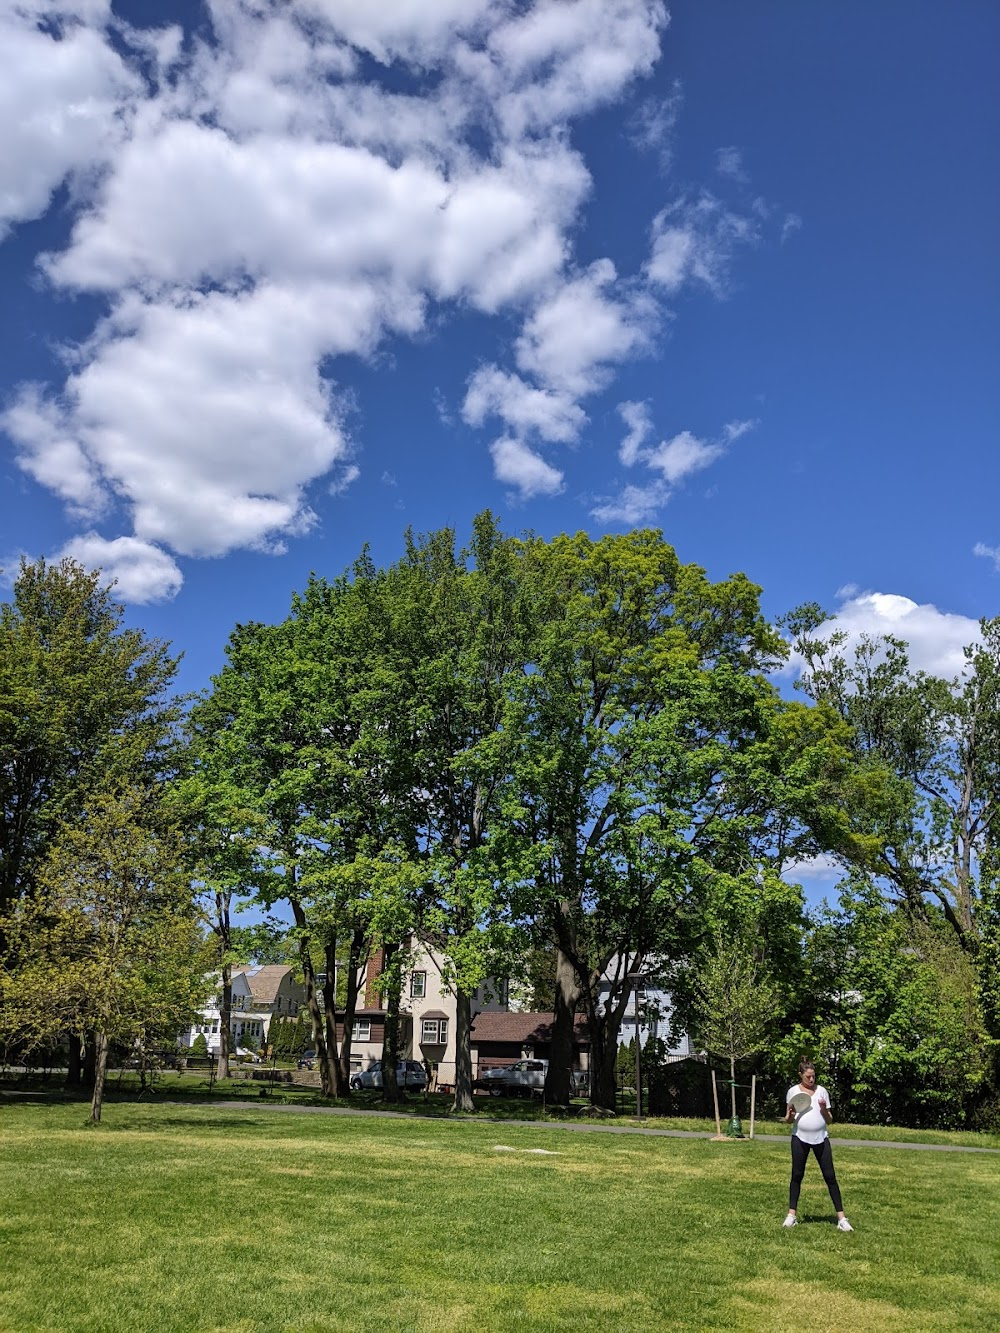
{"points": [[174, 1218], [171, 1086]]}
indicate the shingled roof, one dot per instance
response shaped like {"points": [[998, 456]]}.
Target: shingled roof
{"points": [[523, 1028], [265, 982]]}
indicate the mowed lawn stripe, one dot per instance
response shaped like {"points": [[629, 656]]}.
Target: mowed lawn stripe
{"points": [[172, 1218]]}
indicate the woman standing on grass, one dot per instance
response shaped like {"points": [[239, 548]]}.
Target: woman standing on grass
{"points": [[811, 1132]]}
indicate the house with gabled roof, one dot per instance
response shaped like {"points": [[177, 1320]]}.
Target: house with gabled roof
{"points": [[500, 1039], [274, 992]]}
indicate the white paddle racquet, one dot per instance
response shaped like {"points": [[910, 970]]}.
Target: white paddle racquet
{"points": [[800, 1102]]}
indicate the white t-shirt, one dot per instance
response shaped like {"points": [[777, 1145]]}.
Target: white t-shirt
{"points": [[810, 1125]]}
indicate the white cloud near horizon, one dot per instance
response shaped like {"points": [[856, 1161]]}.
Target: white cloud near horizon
{"points": [[935, 639]]}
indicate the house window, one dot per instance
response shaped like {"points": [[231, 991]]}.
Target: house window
{"points": [[503, 990], [362, 1030], [434, 1032], [277, 1004], [293, 1007], [215, 1027], [418, 985]]}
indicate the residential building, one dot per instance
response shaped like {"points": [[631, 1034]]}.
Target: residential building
{"points": [[274, 992], [209, 1022], [502, 1038], [428, 1011], [258, 994]]}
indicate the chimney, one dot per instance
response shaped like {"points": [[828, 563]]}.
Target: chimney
{"points": [[373, 970]]}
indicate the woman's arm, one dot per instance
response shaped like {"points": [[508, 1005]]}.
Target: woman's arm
{"points": [[825, 1110]]}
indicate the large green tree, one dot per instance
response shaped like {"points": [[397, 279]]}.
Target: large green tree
{"points": [[82, 699], [653, 756], [459, 625]]}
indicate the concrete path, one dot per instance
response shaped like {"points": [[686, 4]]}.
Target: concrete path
{"points": [[572, 1126]]}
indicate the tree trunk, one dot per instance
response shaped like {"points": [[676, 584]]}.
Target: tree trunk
{"points": [[223, 900], [390, 1037], [340, 1084], [355, 957], [327, 1072], [74, 1062], [100, 1045], [603, 1056], [604, 1028], [89, 1059], [732, 1083], [558, 1080], [463, 1053], [225, 1018]]}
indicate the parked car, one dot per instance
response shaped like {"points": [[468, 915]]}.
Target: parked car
{"points": [[525, 1078], [410, 1075], [307, 1060]]}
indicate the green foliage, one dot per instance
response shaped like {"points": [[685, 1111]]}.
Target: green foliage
{"points": [[199, 1047], [737, 1005], [82, 704], [109, 941], [896, 1026]]}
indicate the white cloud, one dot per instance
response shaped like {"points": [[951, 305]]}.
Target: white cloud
{"points": [[61, 99], [345, 479], [576, 333], [791, 224], [988, 553], [678, 457], [206, 414], [935, 638], [557, 60], [552, 415], [735, 430], [518, 466], [637, 417], [695, 241], [48, 450], [633, 506], [821, 868], [256, 205], [674, 460], [652, 126], [142, 572], [729, 163], [410, 30]]}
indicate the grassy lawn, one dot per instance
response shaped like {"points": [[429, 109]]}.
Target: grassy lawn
{"points": [[169, 1085], [175, 1218]]}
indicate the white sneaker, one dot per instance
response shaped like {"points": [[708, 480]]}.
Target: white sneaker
{"points": [[844, 1225], [792, 1221]]}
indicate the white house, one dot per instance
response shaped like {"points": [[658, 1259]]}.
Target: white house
{"points": [[209, 1022], [258, 994]]}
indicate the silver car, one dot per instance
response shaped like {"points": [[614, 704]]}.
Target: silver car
{"points": [[525, 1078], [410, 1075]]}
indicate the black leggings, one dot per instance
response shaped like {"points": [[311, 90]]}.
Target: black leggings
{"points": [[824, 1155]]}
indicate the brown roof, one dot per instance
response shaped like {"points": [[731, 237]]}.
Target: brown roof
{"points": [[265, 982], [521, 1027]]}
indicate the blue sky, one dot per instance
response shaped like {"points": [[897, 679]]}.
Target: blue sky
{"points": [[283, 278]]}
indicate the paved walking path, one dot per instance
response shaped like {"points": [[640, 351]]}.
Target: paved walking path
{"points": [[577, 1127]]}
